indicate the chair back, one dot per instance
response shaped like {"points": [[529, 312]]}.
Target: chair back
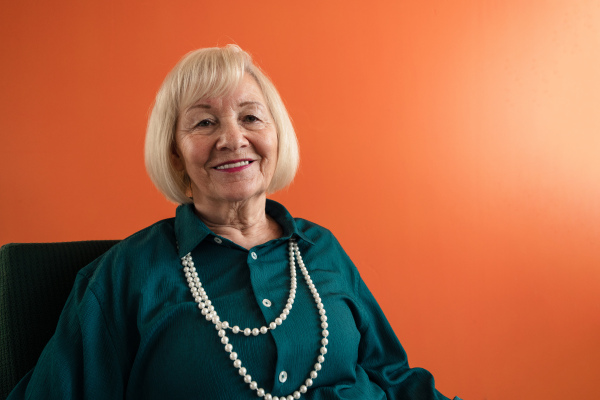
{"points": [[35, 281]]}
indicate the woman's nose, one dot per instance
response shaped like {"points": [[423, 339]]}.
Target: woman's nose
{"points": [[231, 137]]}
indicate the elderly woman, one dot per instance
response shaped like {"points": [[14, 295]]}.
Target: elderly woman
{"points": [[233, 298]]}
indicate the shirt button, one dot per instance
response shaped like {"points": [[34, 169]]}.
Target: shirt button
{"points": [[254, 256], [218, 240], [266, 302], [283, 376]]}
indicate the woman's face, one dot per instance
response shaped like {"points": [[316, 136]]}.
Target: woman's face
{"points": [[227, 145]]}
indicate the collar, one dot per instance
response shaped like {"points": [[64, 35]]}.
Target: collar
{"points": [[190, 230]]}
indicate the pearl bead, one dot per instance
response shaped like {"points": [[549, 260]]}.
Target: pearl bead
{"points": [[323, 350], [237, 363], [253, 385], [278, 321], [308, 382], [321, 359], [242, 371], [263, 329], [260, 392], [313, 374], [296, 395], [228, 348], [268, 396], [303, 389], [318, 367], [235, 329], [233, 356], [247, 331], [247, 378], [255, 331], [272, 325], [290, 397]]}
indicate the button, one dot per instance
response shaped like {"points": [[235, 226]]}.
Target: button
{"points": [[283, 376], [254, 256], [267, 303], [218, 240]]}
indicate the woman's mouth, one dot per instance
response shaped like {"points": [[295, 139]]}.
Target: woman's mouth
{"points": [[234, 166]]}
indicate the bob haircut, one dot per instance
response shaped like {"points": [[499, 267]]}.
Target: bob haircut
{"points": [[201, 74]]}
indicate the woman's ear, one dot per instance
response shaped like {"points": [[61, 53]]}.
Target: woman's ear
{"points": [[176, 158]]}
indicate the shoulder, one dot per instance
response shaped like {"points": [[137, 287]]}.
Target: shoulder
{"points": [[312, 231], [321, 237], [327, 247], [139, 249]]}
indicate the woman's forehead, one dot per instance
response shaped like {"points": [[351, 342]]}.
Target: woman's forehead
{"points": [[246, 93]]}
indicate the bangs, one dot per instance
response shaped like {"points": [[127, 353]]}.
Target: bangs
{"points": [[211, 74]]}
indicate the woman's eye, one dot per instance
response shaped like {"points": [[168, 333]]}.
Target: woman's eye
{"points": [[250, 118], [203, 123]]}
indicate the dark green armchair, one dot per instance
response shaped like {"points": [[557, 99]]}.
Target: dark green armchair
{"points": [[35, 281]]}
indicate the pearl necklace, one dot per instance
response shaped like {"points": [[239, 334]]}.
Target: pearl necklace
{"points": [[208, 310]]}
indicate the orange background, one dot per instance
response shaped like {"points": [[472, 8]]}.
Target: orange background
{"points": [[451, 146]]}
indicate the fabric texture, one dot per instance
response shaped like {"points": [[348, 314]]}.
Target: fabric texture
{"points": [[131, 329], [35, 281]]}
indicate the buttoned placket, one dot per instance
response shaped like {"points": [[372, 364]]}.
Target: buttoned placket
{"points": [[263, 262]]}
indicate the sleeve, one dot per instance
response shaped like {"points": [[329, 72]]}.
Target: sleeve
{"points": [[381, 355], [80, 361]]}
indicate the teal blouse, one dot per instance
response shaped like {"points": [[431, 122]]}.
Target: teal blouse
{"points": [[131, 329]]}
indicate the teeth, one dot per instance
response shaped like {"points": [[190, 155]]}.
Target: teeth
{"points": [[234, 165]]}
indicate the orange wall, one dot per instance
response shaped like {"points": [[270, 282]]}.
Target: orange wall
{"points": [[451, 146]]}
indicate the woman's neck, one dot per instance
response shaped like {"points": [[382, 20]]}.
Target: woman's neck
{"points": [[244, 223]]}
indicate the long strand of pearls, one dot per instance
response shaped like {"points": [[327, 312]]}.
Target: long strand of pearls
{"points": [[208, 310]]}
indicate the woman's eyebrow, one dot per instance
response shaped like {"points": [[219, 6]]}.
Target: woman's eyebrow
{"points": [[247, 103], [207, 106]]}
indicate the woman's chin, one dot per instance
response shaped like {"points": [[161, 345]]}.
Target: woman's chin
{"points": [[240, 194]]}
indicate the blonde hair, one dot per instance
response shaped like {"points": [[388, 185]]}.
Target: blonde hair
{"points": [[204, 73]]}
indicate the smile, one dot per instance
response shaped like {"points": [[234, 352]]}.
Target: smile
{"points": [[233, 165]]}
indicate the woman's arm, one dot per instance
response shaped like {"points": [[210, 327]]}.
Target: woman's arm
{"points": [[80, 361], [381, 355]]}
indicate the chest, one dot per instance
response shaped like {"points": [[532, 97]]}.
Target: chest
{"points": [[181, 354]]}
